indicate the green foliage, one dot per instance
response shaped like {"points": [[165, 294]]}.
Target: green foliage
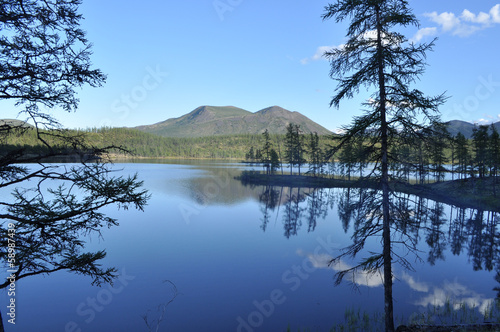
{"points": [[480, 143], [294, 146], [316, 155], [275, 161]]}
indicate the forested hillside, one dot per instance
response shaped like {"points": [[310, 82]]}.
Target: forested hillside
{"points": [[478, 155], [147, 145]]}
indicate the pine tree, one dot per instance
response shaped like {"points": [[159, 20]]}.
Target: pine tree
{"points": [[480, 140], [315, 155], [274, 161], [290, 146], [294, 145], [348, 159], [462, 152], [494, 154], [266, 152], [376, 55]]}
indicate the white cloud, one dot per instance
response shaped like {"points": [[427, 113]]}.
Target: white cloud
{"points": [[481, 18], [483, 121], [466, 24], [320, 52], [448, 21], [486, 120], [422, 33], [319, 55], [495, 14], [452, 24]]}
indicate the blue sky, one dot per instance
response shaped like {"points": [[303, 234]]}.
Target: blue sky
{"points": [[165, 58]]}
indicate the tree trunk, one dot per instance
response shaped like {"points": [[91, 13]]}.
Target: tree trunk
{"points": [[386, 229], [1, 323]]}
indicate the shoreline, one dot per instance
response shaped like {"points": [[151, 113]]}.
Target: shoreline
{"points": [[467, 193]]}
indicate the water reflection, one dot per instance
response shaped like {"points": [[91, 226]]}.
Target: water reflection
{"points": [[421, 229], [298, 205]]}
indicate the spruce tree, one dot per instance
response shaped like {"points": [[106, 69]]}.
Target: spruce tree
{"points": [[462, 152], [480, 139], [377, 56]]}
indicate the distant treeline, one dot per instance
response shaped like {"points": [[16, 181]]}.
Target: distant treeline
{"points": [[146, 145], [420, 159]]}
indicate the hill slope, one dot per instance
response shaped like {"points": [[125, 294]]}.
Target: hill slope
{"points": [[466, 128], [15, 123], [229, 120]]}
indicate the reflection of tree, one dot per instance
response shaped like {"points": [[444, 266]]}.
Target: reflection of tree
{"points": [[364, 208], [346, 208], [316, 207], [292, 200], [475, 229], [483, 240], [361, 207], [490, 244], [457, 232], [293, 213], [435, 236], [270, 199]]}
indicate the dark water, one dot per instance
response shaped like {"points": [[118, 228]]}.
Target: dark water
{"points": [[253, 259]]}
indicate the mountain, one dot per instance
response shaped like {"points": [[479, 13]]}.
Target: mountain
{"points": [[466, 128], [15, 123], [229, 120]]}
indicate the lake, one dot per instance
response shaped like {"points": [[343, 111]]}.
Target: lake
{"points": [[228, 257]]}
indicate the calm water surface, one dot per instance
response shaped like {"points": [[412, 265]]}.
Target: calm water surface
{"points": [[242, 260]]}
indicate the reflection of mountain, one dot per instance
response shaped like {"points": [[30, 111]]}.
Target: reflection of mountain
{"points": [[217, 187]]}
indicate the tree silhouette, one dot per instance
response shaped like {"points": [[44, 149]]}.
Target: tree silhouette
{"points": [[44, 57], [316, 162], [294, 146], [375, 55], [480, 140], [494, 153], [462, 152]]}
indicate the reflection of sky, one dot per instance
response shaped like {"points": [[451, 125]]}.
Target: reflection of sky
{"points": [[448, 292], [456, 294], [358, 277], [222, 262]]}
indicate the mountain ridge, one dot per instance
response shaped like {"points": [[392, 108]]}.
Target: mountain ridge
{"points": [[466, 128], [229, 120]]}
